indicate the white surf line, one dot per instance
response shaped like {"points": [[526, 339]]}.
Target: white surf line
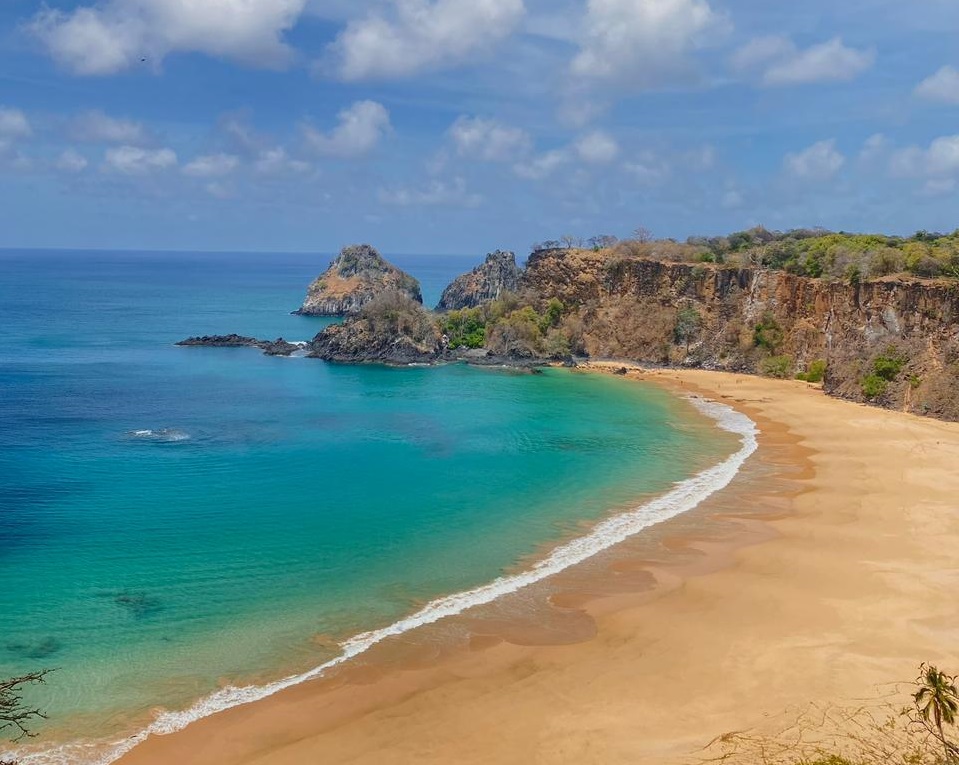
{"points": [[683, 497]]}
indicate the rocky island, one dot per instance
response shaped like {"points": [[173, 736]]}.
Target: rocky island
{"points": [[357, 276]]}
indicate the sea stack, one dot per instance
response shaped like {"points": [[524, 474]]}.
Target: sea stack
{"points": [[498, 274], [355, 278]]}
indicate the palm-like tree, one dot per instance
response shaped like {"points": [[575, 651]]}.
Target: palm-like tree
{"points": [[937, 702]]}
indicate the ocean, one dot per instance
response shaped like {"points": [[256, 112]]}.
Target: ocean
{"points": [[176, 523]]}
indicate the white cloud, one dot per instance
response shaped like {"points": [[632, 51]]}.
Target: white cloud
{"points": [[277, 162], [938, 187], [732, 199], [542, 166], [14, 125], [133, 160], [360, 129], [597, 148], [819, 162], [943, 86], [96, 127], [874, 147], [648, 168], [112, 35], [71, 161], [212, 166], [831, 61], [761, 51], [940, 160], [420, 35], [488, 139], [436, 194], [643, 43]]}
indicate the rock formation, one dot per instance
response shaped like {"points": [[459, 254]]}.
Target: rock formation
{"points": [[892, 342], [391, 329], [357, 276], [488, 281], [278, 347]]}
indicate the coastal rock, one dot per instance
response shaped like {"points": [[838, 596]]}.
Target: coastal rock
{"points": [[891, 342], [278, 347], [391, 329], [355, 278], [220, 341], [487, 282]]}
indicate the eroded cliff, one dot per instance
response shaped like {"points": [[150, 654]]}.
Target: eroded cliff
{"points": [[893, 342]]}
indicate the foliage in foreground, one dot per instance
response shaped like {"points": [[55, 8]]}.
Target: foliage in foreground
{"points": [[885, 734]]}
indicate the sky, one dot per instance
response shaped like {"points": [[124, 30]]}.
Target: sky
{"points": [[463, 126]]}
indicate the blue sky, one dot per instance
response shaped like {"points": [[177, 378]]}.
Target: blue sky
{"points": [[460, 126]]}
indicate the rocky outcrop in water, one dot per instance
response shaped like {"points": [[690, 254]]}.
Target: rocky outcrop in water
{"points": [[390, 329], [357, 276], [487, 282], [278, 347]]}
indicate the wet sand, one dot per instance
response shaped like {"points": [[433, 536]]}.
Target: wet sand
{"points": [[824, 573]]}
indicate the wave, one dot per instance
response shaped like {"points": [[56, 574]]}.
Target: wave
{"points": [[683, 497], [163, 435]]}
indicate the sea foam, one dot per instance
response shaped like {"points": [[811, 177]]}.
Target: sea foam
{"points": [[683, 497], [163, 435]]}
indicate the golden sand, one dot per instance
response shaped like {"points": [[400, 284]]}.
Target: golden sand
{"points": [[840, 577]]}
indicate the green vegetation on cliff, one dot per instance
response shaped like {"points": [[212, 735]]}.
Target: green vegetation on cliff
{"points": [[508, 327], [816, 253]]}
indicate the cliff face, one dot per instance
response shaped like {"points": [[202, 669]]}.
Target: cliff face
{"points": [[891, 342], [487, 282], [358, 275]]}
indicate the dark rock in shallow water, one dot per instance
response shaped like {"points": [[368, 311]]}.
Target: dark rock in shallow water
{"points": [[354, 279], [42, 649], [278, 347], [139, 604], [497, 275], [220, 341]]}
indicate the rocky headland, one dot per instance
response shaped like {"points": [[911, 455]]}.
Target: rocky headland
{"points": [[496, 276], [357, 276], [890, 341]]}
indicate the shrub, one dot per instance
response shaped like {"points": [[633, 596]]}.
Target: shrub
{"points": [[888, 365], [767, 333], [815, 373], [776, 366], [874, 386], [465, 328]]}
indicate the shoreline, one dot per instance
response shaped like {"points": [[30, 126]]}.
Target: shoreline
{"points": [[357, 712], [597, 538], [842, 593]]}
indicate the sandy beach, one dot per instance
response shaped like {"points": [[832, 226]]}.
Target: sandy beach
{"points": [[825, 574]]}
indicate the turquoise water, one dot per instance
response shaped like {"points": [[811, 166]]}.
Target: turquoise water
{"points": [[172, 518]]}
